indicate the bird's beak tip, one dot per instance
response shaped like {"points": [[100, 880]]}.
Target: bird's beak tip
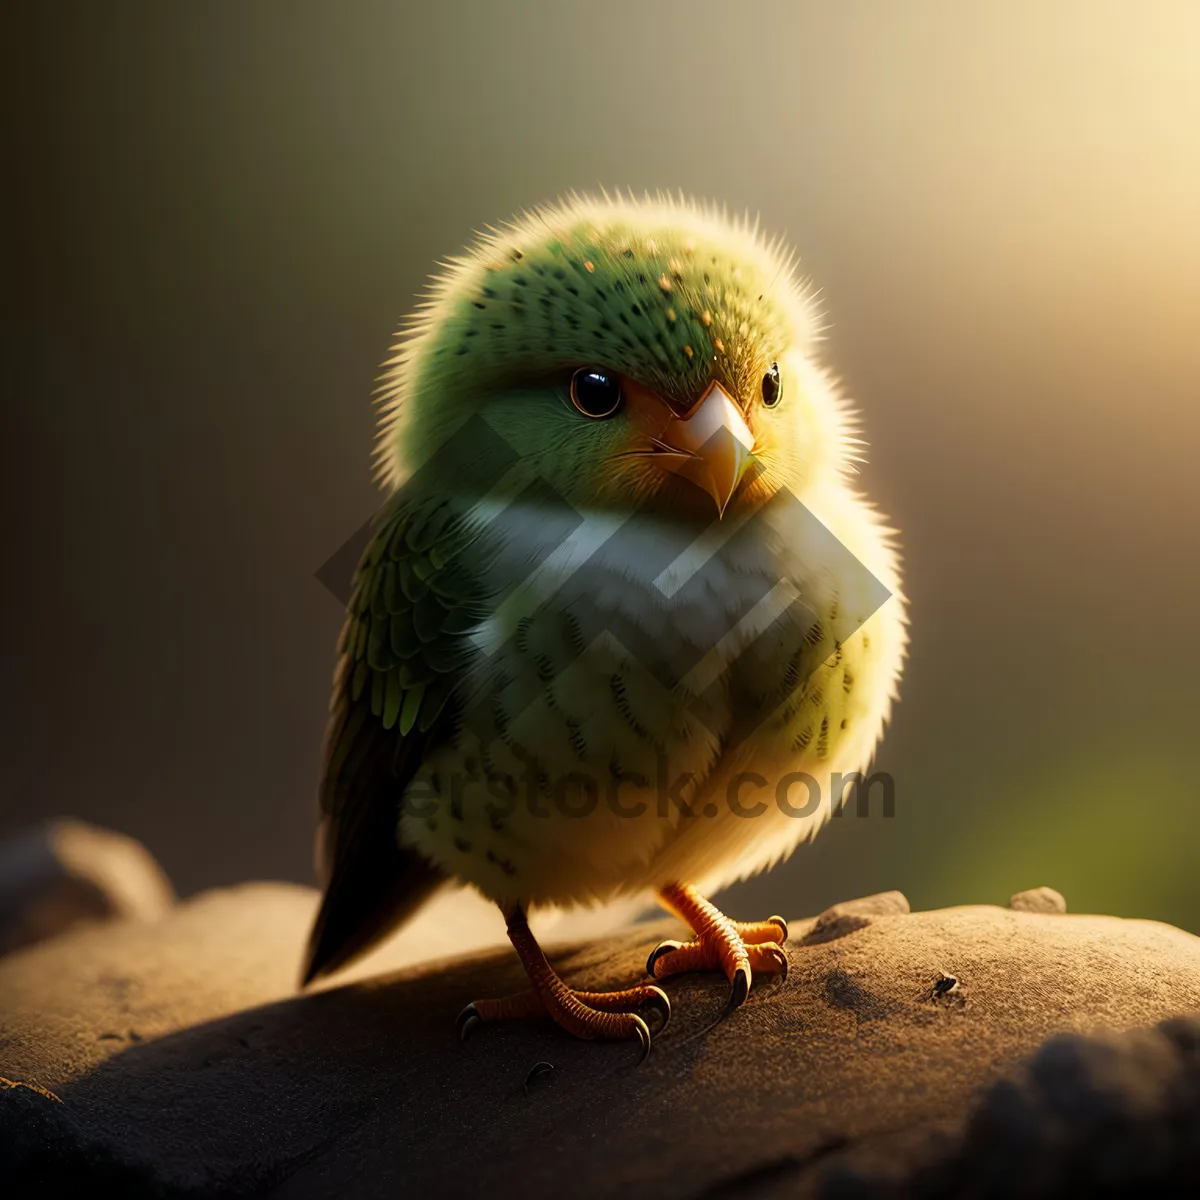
{"points": [[714, 446], [727, 466]]}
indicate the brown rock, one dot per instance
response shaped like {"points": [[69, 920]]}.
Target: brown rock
{"points": [[844, 918], [68, 872], [185, 1064], [1042, 899]]}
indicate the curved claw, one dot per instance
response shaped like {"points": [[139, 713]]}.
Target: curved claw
{"points": [[661, 1005], [643, 1033], [536, 1072], [740, 988], [783, 927], [780, 955], [657, 953], [466, 1021]]}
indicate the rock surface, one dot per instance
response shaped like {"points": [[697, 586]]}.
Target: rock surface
{"points": [[906, 1053]]}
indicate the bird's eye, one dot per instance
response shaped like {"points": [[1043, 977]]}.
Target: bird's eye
{"points": [[596, 392], [772, 387]]}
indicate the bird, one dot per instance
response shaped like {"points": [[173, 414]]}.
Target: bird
{"points": [[624, 624]]}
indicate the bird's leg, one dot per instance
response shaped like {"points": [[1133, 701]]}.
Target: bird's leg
{"points": [[735, 947], [606, 1015]]}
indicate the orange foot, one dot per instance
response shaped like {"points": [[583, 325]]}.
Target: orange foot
{"points": [[738, 948], [607, 1015]]}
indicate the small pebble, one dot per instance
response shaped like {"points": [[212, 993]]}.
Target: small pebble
{"points": [[944, 983], [852, 915], [1039, 900], [882, 904]]}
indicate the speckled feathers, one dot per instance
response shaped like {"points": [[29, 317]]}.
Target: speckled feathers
{"points": [[668, 292]]}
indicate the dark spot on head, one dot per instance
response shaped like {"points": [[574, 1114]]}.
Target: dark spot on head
{"points": [[633, 308], [559, 273], [517, 256], [628, 253], [520, 281], [489, 293], [479, 304]]}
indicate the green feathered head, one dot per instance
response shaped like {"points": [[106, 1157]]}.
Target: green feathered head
{"points": [[629, 351]]}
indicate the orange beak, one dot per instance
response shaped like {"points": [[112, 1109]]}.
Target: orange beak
{"points": [[713, 446]]}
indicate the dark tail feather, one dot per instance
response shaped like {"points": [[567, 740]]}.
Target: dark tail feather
{"points": [[383, 886]]}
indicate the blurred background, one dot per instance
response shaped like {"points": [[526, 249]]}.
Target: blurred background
{"points": [[218, 213]]}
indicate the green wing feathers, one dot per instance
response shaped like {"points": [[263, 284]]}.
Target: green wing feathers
{"points": [[401, 659]]}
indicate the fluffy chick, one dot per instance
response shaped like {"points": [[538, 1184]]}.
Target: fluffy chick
{"points": [[622, 595]]}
